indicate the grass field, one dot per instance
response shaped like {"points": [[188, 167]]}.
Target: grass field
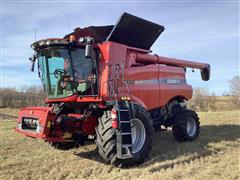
{"points": [[214, 155]]}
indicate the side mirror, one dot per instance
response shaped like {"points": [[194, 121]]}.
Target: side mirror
{"points": [[32, 66], [89, 51], [33, 59], [205, 73]]}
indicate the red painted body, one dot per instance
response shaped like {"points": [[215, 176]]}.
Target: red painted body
{"points": [[151, 92], [44, 116], [47, 119], [139, 65]]}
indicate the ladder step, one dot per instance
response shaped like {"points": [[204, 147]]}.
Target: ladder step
{"points": [[126, 133], [124, 121], [123, 110], [126, 145]]}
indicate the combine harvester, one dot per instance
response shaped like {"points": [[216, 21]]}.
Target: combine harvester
{"points": [[103, 83]]}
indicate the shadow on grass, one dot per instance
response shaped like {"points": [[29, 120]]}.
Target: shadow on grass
{"points": [[212, 140], [91, 155], [165, 147]]}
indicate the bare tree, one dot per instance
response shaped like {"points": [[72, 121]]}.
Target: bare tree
{"points": [[235, 91], [27, 96], [235, 86], [202, 100]]}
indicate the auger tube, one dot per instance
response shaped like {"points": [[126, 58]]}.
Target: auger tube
{"points": [[149, 59]]}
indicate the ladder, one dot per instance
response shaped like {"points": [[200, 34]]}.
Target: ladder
{"points": [[124, 134], [124, 111]]}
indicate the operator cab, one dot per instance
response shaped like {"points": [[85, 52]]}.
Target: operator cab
{"points": [[66, 69]]}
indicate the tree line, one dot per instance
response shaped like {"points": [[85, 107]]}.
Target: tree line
{"points": [[202, 99], [26, 96]]}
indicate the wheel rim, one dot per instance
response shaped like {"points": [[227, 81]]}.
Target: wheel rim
{"points": [[138, 135], [191, 127]]}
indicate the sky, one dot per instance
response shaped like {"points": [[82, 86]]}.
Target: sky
{"points": [[206, 31]]}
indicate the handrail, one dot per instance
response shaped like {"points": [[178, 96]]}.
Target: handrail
{"points": [[113, 81]]}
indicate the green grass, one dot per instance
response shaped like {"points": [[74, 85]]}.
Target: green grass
{"points": [[214, 155]]}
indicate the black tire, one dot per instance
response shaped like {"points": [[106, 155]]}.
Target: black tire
{"points": [[181, 132], [106, 139]]}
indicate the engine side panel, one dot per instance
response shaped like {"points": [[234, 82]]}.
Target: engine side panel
{"points": [[143, 85], [172, 83], [154, 86], [151, 84]]}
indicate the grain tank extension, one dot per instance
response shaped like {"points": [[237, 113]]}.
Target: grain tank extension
{"points": [[103, 83]]}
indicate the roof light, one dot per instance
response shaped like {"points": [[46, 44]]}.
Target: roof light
{"points": [[81, 40], [47, 42], [87, 39]]}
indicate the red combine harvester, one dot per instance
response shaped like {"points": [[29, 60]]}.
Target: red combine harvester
{"points": [[102, 82]]}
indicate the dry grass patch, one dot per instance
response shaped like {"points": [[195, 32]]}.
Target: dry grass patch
{"points": [[214, 155], [9, 111]]}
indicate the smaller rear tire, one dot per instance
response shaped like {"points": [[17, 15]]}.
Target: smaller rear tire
{"points": [[186, 126]]}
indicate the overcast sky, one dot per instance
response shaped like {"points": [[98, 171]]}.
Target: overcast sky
{"points": [[206, 32]]}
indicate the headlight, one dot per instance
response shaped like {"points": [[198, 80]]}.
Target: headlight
{"points": [[19, 125], [39, 129]]}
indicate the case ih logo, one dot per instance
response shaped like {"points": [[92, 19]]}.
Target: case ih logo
{"points": [[157, 81], [174, 81]]}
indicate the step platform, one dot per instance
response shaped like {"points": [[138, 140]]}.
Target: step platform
{"points": [[124, 134]]}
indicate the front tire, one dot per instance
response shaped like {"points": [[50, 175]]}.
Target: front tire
{"points": [[186, 126], [142, 136]]}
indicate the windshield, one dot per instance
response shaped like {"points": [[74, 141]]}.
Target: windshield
{"points": [[65, 72], [55, 72]]}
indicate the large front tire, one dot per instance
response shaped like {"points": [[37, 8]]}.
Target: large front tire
{"points": [[142, 136]]}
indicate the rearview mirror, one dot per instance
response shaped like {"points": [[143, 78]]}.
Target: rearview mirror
{"points": [[205, 73], [33, 59], [89, 51]]}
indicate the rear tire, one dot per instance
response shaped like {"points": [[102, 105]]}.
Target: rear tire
{"points": [[186, 126], [106, 138]]}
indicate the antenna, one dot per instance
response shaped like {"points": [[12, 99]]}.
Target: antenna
{"points": [[68, 22], [35, 34]]}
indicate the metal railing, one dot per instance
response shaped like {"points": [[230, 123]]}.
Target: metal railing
{"points": [[114, 81]]}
